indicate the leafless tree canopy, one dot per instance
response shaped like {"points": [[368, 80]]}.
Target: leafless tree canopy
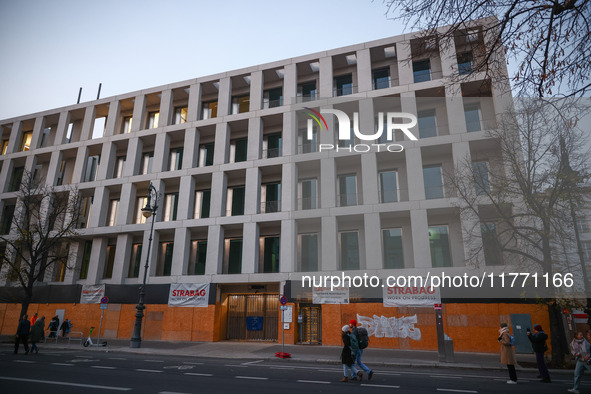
{"points": [[43, 224], [549, 39]]}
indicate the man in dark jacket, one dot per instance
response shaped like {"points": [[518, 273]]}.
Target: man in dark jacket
{"points": [[538, 343], [22, 334]]}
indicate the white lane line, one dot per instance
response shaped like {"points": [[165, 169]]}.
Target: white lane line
{"points": [[445, 377], [171, 392], [92, 386], [192, 363], [457, 391], [287, 368], [253, 362], [236, 365], [102, 367], [154, 361], [63, 364], [313, 381], [25, 361], [380, 385], [198, 374], [147, 370], [250, 377], [117, 358]]}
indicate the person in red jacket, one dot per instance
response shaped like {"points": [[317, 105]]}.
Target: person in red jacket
{"points": [[33, 319]]}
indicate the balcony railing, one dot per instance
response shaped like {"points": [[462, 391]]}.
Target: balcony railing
{"points": [[270, 206], [349, 200], [305, 98], [308, 203], [271, 153], [272, 103], [344, 91]]}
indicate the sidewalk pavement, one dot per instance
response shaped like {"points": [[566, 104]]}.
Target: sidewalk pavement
{"points": [[373, 357]]}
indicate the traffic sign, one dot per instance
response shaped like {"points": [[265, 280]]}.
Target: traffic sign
{"points": [[283, 300], [104, 306], [283, 307], [437, 306], [104, 300]]}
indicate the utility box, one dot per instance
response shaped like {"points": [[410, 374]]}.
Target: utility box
{"points": [[449, 349]]}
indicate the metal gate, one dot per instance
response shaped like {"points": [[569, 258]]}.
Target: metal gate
{"points": [[311, 325], [253, 317], [521, 322]]}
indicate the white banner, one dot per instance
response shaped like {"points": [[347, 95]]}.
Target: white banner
{"points": [[411, 296], [324, 295], [92, 294], [188, 294]]}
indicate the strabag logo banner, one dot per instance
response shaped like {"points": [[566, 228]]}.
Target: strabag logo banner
{"points": [[188, 294]]}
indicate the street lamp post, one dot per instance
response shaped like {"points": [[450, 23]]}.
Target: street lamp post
{"points": [[147, 211]]}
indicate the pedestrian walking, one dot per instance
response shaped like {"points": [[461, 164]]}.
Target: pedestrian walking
{"points": [[37, 334], [362, 339], [53, 326], [538, 342], [581, 349], [65, 327], [507, 358], [22, 334], [347, 357], [34, 319]]}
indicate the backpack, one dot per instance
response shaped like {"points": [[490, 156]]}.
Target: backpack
{"points": [[362, 337], [512, 340]]}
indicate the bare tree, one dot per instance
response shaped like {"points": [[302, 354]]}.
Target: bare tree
{"points": [[42, 226], [549, 39], [520, 208]]}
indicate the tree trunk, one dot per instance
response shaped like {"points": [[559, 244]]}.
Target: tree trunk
{"points": [[559, 343], [27, 301]]}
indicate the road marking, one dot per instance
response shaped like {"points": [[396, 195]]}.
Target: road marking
{"points": [[102, 367], [192, 363], [147, 370], [250, 377], [313, 381], [445, 377], [92, 386], [171, 392], [380, 385], [253, 362], [25, 361], [154, 361], [457, 391], [287, 368], [198, 374], [117, 358], [63, 364], [235, 365]]}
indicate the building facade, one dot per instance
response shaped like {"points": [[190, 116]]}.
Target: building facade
{"points": [[250, 202]]}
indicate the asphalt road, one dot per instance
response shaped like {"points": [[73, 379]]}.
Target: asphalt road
{"points": [[97, 371]]}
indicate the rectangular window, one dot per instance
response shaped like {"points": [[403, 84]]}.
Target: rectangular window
{"points": [[472, 115], [135, 261], [4, 147], [238, 149], [140, 203], [109, 262], [586, 250], [308, 252], [69, 132], [171, 201], [234, 253], [112, 213], [308, 199], [147, 160], [427, 123], [392, 243], [421, 70], [270, 254], [306, 145], [347, 190], [465, 63], [85, 210], [202, 203], [92, 164], [389, 186], [343, 85], [126, 124], [307, 91], [349, 250], [480, 173], [153, 118], [16, 179], [198, 258], [7, 216], [348, 142], [490, 244], [381, 78], [240, 104], [273, 98], [236, 200], [85, 260], [119, 164], [582, 224], [44, 137], [180, 115], [433, 180], [164, 266], [439, 244], [206, 154], [272, 195], [274, 145], [175, 159], [26, 141], [209, 110]]}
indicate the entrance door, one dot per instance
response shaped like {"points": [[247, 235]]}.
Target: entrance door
{"points": [[253, 317], [311, 325], [521, 322]]}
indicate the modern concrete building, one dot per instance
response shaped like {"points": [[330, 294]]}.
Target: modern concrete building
{"points": [[249, 203]]}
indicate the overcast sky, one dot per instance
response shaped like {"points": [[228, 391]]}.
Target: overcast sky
{"points": [[52, 48]]}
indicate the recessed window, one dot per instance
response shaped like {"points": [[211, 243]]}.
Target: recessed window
{"points": [[16, 179], [421, 70], [381, 78], [110, 262], [135, 261], [202, 203], [112, 212], [490, 244], [392, 243], [180, 115], [272, 197], [7, 216], [92, 164], [171, 202], [147, 160], [238, 149], [480, 173], [4, 147], [465, 63], [273, 98], [349, 248], [233, 256], [164, 265], [273, 144], [472, 115], [308, 194], [209, 110], [240, 104], [343, 85], [270, 254], [153, 118], [26, 141], [175, 159], [389, 186], [347, 190], [85, 263], [197, 258], [427, 121], [235, 201], [308, 252], [126, 124], [439, 243], [139, 205], [307, 91], [206, 154], [582, 224], [119, 164], [433, 181]]}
